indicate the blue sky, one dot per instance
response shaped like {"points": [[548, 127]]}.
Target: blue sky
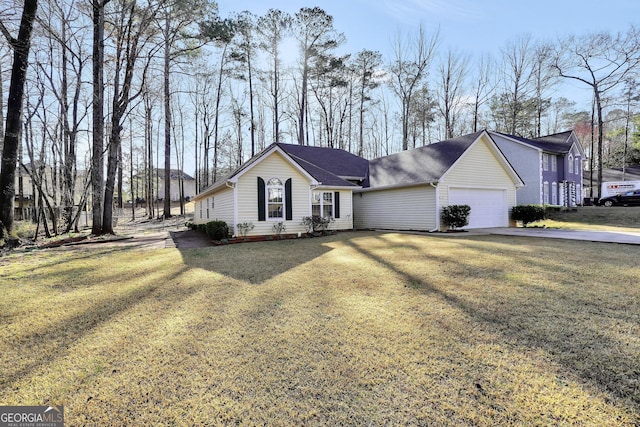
{"points": [[467, 25]]}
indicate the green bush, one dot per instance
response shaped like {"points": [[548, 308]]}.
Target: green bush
{"points": [[217, 230], [527, 213], [456, 216]]}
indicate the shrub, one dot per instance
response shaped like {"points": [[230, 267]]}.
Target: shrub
{"points": [[244, 228], [217, 230], [527, 213], [278, 228], [456, 216], [316, 223]]}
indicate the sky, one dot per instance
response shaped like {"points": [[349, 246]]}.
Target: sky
{"points": [[468, 26]]}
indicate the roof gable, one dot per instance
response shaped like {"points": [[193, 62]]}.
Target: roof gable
{"points": [[420, 165], [309, 161], [557, 143], [335, 161]]}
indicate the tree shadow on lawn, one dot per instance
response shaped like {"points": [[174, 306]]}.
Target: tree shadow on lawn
{"points": [[572, 339], [258, 262], [45, 345]]}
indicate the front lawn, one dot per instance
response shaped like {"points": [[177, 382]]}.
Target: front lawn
{"points": [[617, 218], [354, 329]]}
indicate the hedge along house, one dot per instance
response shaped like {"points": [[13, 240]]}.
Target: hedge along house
{"points": [[407, 190], [282, 185]]}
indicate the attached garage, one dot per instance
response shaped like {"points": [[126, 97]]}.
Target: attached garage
{"points": [[489, 207], [408, 190]]}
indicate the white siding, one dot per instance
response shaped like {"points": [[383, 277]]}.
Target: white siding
{"points": [[275, 166], [222, 207], [345, 222], [410, 208]]}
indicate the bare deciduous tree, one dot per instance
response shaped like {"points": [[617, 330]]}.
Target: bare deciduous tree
{"points": [[601, 61], [452, 72], [21, 45], [408, 69]]}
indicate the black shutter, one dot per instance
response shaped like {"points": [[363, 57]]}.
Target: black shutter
{"points": [[288, 202], [261, 200], [336, 204]]}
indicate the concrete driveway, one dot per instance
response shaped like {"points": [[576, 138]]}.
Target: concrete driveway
{"points": [[625, 237]]}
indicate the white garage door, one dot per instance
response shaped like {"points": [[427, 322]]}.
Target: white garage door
{"points": [[488, 206]]}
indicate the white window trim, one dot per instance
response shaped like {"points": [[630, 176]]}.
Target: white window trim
{"points": [[267, 187], [570, 163], [321, 204], [545, 192]]}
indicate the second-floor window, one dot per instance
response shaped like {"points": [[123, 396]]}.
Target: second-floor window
{"points": [[570, 163]]}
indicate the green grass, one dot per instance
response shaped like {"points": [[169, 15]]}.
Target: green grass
{"points": [[353, 329]]}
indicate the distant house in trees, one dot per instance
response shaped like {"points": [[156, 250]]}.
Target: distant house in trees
{"points": [[178, 179]]}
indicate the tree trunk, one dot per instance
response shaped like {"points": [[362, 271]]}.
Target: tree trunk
{"points": [[21, 47], [97, 172], [167, 129], [596, 91], [303, 99]]}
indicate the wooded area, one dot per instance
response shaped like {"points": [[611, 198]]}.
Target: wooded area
{"points": [[116, 90]]}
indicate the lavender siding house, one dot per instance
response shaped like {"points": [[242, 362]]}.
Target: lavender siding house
{"points": [[550, 166]]}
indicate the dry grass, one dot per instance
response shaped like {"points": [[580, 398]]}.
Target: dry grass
{"points": [[353, 329], [596, 218]]}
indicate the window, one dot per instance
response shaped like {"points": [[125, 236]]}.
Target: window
{"points": [[576, 166], [554, 193], [322, 204], [545, 193], [554, 163], [545, 161], [275, 199], [570, 163], [200, 207]]}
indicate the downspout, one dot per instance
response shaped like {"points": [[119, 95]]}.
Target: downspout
{"points": [[437, 208]]}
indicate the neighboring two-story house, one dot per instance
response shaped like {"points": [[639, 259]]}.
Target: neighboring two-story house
{"points": [[550, 166]]}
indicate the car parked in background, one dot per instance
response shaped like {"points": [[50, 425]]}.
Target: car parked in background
{"points": [[628, 198]]}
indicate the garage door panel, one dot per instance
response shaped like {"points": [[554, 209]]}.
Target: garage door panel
{"points": [[488, 206]]}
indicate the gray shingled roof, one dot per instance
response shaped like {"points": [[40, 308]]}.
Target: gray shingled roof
{"points": [[557, 143], [421, 165], [326, 165], [332, 160]]}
